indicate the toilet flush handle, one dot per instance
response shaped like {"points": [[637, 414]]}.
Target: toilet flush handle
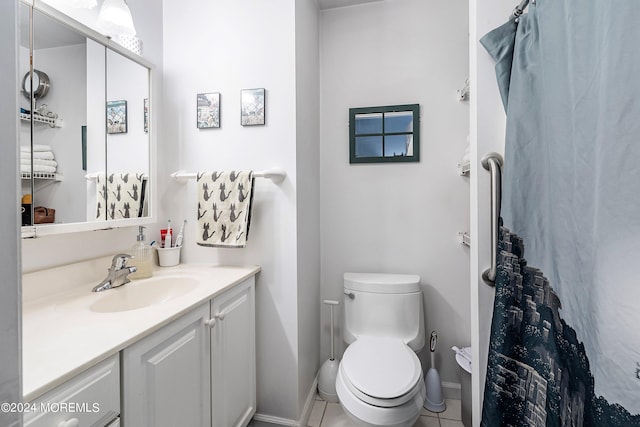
{"points": [[351, 295]]}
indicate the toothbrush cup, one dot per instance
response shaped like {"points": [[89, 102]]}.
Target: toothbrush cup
{"points": [[169, 257]]}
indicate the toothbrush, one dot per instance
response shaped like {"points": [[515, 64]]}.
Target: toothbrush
{"points": [[167, 237], [180, 235]]}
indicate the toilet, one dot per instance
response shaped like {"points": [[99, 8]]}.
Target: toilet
{"points": [[380, 381]]}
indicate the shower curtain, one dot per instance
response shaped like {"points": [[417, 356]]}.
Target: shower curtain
{"points": [[565, 335]]}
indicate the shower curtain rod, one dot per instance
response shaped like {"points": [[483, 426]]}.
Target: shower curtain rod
{"points": [[519, 10]]}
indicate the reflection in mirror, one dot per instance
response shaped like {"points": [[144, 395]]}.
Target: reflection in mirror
{"points": [[384, 134], [127, 137], [93, 146], [83, 102], [24, 136], [60, 53]]}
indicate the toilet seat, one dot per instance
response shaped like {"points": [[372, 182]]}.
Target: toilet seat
{"points": [[381, 371]]}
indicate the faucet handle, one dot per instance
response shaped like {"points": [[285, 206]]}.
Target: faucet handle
{"points": [[120, 261]]}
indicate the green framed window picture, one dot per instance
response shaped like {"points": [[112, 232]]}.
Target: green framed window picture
{"points": [[384, 134]]}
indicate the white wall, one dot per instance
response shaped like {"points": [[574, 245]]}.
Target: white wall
{"points": [[487, 135], [308, 193], [222, 46], [10, 307], [398, 218]]}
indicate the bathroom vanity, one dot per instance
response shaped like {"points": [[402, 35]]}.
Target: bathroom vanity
{"points": [[175, 349]]}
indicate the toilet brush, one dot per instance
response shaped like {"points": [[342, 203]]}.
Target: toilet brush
{"points": [[329, 369], [434, 401]]}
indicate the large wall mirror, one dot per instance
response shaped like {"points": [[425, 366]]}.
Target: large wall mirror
{"points": [[85, 128]]}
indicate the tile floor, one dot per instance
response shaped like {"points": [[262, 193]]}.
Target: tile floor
{"points": [[326, 414]]}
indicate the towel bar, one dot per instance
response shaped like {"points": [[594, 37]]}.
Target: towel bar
{"points": [[93, 176], [276, 175]]}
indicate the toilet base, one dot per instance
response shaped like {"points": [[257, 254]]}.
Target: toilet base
{"points": [[365, 415]]}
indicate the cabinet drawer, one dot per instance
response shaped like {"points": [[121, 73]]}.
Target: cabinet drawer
{"points": [[92, 397]]}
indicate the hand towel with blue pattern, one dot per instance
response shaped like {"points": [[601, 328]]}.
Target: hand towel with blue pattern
{"points": [[224, 208]]}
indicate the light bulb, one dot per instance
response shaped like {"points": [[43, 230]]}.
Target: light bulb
{"points": [[115, 19]]}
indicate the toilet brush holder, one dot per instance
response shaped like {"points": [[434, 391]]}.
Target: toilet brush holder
{"points": [[434, 401], [329, 369]]}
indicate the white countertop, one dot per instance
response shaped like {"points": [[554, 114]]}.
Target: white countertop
{"points": [[61, 336]]}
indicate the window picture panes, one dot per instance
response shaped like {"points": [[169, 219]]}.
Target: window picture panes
{"points": [[384, 134]]}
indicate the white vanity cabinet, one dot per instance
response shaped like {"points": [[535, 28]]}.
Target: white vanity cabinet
{"points": [[166, 375], [233, 356], [91, 398], [199, 370]]}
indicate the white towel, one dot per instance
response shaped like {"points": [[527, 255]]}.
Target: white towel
{"points": [[44, 155], [39, 162], [224, 208], [36, 147], [121, 195], [37, 168]]}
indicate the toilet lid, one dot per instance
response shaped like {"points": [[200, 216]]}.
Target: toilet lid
{"points": [[382, 368]]}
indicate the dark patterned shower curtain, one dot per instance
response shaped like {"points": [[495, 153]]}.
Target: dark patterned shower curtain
{"points": [[565, 338]]}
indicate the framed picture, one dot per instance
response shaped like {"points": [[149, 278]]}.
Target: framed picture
{"points": [[146, 115], [208, 110], [116, 117], [252, 107]]}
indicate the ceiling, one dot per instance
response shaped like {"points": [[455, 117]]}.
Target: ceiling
{"points": [[332, 4], [48, 33]]}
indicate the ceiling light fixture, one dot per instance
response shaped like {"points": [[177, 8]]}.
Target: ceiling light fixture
{"points": [[115, 19]]}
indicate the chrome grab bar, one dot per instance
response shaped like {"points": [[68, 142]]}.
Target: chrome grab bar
{"points": [[493, 163]]}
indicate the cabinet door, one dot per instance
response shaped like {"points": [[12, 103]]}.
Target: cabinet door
{"points": [[233, 356], [166, 376]]}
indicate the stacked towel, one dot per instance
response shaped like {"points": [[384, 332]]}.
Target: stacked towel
{"points": [[121, 195], [43, 159], [224, 208]]}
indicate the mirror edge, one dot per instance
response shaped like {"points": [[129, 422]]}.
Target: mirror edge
{"points": [[32, 231]]}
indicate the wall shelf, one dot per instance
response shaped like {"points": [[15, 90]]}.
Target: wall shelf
{"points": [[464, 238], [463, 94], [38, 118], [45, 176], [464, 168]]}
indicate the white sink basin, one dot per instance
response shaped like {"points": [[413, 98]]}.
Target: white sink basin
{"points": [[143, 293]]}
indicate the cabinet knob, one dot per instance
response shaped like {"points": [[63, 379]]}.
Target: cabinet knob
{"points": [[73, 422], [212, 322]]}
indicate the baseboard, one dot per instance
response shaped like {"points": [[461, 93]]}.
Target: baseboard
{"points": [[276, 420], [308, 404], [306, 411], [451, 390]]}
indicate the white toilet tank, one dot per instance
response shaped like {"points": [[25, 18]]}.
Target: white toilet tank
{"points": [[387, 305]]}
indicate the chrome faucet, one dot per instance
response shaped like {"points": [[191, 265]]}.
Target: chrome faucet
{"points": [[117, 274]]}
